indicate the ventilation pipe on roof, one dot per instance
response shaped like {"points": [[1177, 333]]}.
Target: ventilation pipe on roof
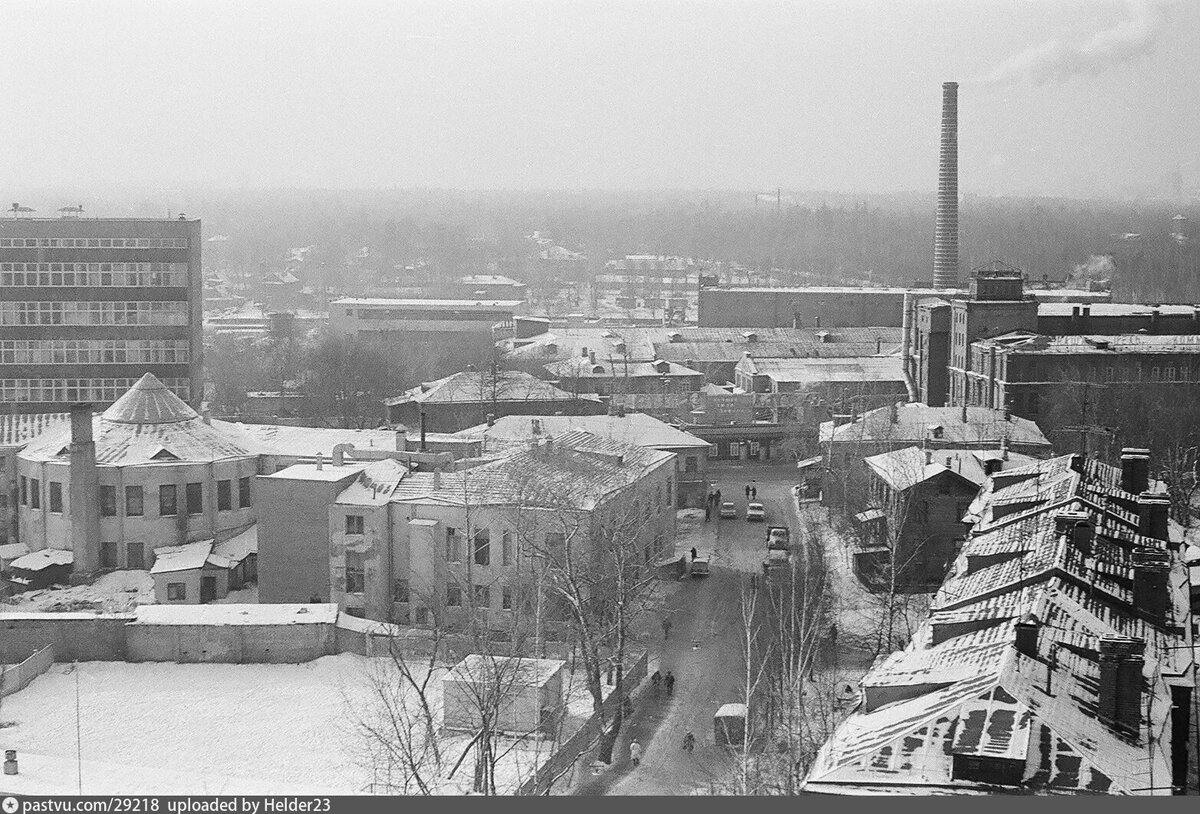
{"points": [[206, 414], [491, 419], [1004, 448], [339, 453], [928, 457], [423, 447], [320, 461], [1151, 567], [10, 761], [906, 360]]}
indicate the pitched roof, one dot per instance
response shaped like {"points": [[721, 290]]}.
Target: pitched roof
{"points": [[962, 687], [983, 425], [818, 371], [303, 442], [17, 429], [604, 368], [468, 387], [45, 558], [149, 401], [904, 468], [181, 557], [637, 429]]}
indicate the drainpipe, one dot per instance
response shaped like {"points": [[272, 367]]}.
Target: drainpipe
{"points": [[906, 324]]}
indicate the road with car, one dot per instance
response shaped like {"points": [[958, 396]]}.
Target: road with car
{"points": [[704, 650]]}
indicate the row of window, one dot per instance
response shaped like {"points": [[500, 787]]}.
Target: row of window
{"points": [[135, 501], [95, 351], [80, 390], [93, 242], [141, 312], [66, 275], [444, 316]]}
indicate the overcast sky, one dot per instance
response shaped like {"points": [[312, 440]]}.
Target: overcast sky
{"points": [[1058, 97]]}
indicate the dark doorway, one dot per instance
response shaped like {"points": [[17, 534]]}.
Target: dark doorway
{"points": [[208, 589]]}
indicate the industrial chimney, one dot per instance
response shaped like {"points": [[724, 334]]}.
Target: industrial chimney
{"points": [[945, 240]]}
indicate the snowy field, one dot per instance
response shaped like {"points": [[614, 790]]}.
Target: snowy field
{"points": [[204, 728]]}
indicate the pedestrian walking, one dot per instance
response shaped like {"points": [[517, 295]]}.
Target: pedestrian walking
{"points": [[635, 752], [669, 681], [707, 515], [656, 679], [689, 742], [754, 492], [693, 552], [717, 499], [666, 626], [747, 491]]}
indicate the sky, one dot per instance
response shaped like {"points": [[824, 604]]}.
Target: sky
{"points": [[1057, 97]]}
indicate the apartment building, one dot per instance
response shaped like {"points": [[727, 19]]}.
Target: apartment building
{"points": [[87, 306]]}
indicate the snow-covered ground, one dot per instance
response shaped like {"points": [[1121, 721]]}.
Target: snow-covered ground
{"points": [[192, 728], [115, 592]]}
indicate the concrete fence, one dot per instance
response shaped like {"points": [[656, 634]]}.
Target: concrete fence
{"points": [[582, 740], [17, 676]]}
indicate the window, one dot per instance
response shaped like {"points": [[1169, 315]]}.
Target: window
{"points": [[108, 555], [35, 493], [1170, 374], [195, 498], [506, 598], [453, 596], [400, 590], [482, 595], [108, 501], [483, 547], [243, 493], [56, 497], [354, 572], [714, 451], [24, 491], [1154, 373], [166, 500], [133, 501], [134, 556], [506, 549], [733, 449], [452, 546], [689, 464], [176, 591], [224, 495], [354, 524], [669, 502]]}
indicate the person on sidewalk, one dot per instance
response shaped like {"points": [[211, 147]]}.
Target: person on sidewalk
{"points": [[754, 493], [656, 679], [747, 491], [666, 626], [635, 752], [717, 498], [693, 552], [689, 742], [669, 681], [708, 513]]}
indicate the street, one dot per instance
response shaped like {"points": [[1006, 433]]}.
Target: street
{"points": [[704, 650]]}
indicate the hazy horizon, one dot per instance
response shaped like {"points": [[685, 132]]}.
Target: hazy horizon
{"points": [[1084, 100]]}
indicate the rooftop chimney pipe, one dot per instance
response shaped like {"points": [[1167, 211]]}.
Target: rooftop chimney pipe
{"points": [[945, 241]]}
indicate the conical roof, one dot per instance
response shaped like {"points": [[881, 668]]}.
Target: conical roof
{"points": [[149, 402]]}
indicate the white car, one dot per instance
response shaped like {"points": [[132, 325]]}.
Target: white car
{"points": [[756, 512], [728, 510]]}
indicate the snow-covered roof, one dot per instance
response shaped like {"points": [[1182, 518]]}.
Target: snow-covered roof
{"points": [[17, 429], [375, 484], [240, 546], [982, 425], [904, 468], [637, 429], [320, 614], [515, 669], [307, 442], [147, 425], [45, 558], [181, 557], [470, 386], [818, 371]]}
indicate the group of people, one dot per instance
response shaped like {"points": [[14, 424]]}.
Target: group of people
{"points": [[712, 503], [667, 681], [635, 748]]}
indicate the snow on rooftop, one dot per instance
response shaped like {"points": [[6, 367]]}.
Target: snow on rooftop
{"points": [[45, 558], [326, 472], [240, 546], [181, 557], [236, 614]]}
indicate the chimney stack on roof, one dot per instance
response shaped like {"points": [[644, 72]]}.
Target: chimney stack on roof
{"points": [[1135, 470], [320, 462], [945, 242], [584, 352], [963, 414], [928, 457], [1120, 692], [1026, 636], [1154, 511], [894, 412], [1151, 594]]}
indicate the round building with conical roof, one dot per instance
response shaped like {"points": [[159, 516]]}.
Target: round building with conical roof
{"points": [[149, 472]]}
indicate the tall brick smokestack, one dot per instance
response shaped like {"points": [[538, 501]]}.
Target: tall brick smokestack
{"points": [[945, 240]]}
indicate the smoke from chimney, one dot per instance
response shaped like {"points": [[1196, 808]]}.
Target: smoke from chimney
{"points": [[945, 240], [1056, 61]]}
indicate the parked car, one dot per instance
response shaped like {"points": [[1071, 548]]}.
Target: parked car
{"points": [[779, 538], [728, 510], [700, 567], [756, 512]]}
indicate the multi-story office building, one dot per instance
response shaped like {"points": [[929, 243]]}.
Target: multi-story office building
{"points": [[88, 306]]}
